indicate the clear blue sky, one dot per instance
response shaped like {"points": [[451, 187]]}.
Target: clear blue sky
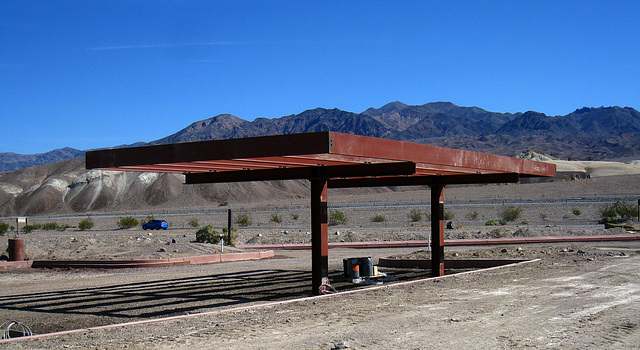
{"points": [[88, 74]]}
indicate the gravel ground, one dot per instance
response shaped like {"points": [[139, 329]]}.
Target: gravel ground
{"points": [[575, 296]]}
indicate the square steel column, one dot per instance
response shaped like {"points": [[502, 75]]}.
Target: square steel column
{"points": [[319, 235], [437, 230]]}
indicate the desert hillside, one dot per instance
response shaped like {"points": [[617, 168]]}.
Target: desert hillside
{"points": [[67, 187]]}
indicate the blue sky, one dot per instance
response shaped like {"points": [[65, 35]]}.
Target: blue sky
{"points": [[89, 74]]}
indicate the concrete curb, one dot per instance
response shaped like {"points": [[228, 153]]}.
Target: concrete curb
{"points": [[449, 264], [15, 264], [452, 242], [191, 260]]}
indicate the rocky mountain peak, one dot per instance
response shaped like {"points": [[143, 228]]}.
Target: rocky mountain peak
{"points": [[386, 109]]}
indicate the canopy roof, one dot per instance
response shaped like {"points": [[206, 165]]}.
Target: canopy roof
{"points": [[326, 159], [296, 156]]}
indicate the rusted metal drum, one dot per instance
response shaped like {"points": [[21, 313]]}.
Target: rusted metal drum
{"points": [[16, 249]]}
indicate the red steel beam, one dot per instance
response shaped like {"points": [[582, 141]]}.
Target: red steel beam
{"points": [[425, 180], [321, 148], [250, 147], [432, 169], [437, 230], [319, 235], [403, 168], [363, 146]]}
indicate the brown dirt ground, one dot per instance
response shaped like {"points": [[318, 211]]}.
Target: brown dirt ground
{"points": [[576, 296]]}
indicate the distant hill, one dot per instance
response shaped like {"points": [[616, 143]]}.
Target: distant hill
{"points": [[14, 161], [605, 133], [587, 134]]}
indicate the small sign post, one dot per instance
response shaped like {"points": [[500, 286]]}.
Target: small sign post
{"points": [[20, 220], [16, 245]]}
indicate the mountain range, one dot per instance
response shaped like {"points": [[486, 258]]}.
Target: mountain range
{"points": [[63, 185], [13, 161], [611, 133]]}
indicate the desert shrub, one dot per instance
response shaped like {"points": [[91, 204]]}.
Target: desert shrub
{"points": [[337, 217], [85, 224], [29, 228], [608, 220], [295, 216], [567, 216], [234, 236], [50, 226], [543, 216], [150, 217], [511, 213], [378, 218], [243, 219], [208, 235], [223, 204], [4, 227], [576, 212], [193, 222], [54, 226], [415, 215], [502, 222], [608, 211], [490, 223], [127, 222], [275, 218], [472, 215], [447, 215], [617, 212]]}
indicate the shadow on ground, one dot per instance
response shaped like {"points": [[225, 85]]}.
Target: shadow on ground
{"points": [[53, 311]]}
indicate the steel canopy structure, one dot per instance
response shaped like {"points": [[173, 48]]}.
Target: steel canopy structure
{"points": [[327, 160]]}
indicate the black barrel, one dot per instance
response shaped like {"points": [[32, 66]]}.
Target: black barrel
{"points": [[366, 266]]}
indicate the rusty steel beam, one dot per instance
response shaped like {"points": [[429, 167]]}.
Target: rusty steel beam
{"points": [[320, 148], [319, 235], [250, 147], [425, 180], [437, 230], [363, 146], [382, 169]]}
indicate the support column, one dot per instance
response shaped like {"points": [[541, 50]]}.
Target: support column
{"points": [[437, 230], [229, 226], [319, 235]]}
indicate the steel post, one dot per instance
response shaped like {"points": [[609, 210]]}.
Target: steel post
{"points": [[437, 230], [319, 235], [229, 226]]}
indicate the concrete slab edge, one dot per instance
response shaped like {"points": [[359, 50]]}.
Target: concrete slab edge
{"points": [[453, 242], [191, 260], [449, 263]]}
